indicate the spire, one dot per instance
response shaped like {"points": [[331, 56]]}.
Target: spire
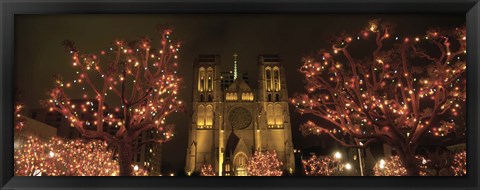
{"points": [[235, 66]]}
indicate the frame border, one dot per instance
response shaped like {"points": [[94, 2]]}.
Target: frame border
{"points": [[9, 8]]}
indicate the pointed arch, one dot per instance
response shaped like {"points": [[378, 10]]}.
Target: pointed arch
{"points": [[278, 115], [268, 78], [201, 116], [270, 115], [209, 116], [201, 79], [240, 163], [276, 78], [209, 84]]}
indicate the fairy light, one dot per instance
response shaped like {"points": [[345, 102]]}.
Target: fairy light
{"points": [[154, 80], [459, 164], [207, 170], [383, 92], [19, 121], [264, 163], [324, 166], [58, 157], [393, 166]]}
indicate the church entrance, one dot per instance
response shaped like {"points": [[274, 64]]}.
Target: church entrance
{"points": [[240, 164]]}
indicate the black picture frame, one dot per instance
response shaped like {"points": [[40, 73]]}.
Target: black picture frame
{"points": [[10, 8]]}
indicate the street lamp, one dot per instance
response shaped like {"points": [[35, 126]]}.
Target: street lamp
{"points": [[338, 155], [382, 166], [382, 163], [360, 158], [348, 166]]}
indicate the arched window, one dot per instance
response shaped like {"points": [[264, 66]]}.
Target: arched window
{"points": [[201, 98], [268, 78], [247, 96], [209, 85], [232, 96], [201, 79], [269, 97], [276, 79], [270, 115], [277, 97], [210, 98], [240, 163], [278, 115], [209, 116], [201, 116]]}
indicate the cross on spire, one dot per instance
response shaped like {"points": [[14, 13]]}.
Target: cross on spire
{"points": [[235, 65]]}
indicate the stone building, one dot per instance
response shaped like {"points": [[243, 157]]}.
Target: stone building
{"points": [[229, 124]]}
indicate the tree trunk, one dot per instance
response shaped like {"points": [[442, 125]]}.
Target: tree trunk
{"points": [[408, 160], [125, 157], [411, 166]]}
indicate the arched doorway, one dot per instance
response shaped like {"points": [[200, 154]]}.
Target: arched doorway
{"points": [[240, 164]]}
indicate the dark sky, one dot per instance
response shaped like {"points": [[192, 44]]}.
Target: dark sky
{"points": [[39, 53]]}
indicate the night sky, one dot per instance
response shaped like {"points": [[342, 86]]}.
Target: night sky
{"points": [[39, 53]]}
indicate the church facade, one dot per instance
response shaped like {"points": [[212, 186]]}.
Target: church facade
{"points": [[231, 121]]}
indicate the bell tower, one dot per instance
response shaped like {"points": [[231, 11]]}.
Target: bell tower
{"points": [[275, 116], [206, 96]]}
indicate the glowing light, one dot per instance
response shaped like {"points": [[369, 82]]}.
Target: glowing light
{"points": [[264, 163], [338, 155], [348, 166]]}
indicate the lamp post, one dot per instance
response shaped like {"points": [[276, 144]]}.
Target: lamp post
{"points": [[360, 156], [348, 166], [382, 166], [338, 155]]}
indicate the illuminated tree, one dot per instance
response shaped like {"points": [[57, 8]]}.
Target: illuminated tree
{"points": [[140, 80], [459, 164], [403, 91], [264, 163], [439, 162], [393, 166], [207, 170], [33, 159], [322, 166], [19, 121], [67, 158]]}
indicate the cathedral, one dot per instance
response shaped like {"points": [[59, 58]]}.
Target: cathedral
{"points": [[231, 120]]}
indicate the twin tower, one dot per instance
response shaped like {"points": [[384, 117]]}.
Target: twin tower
{"points": [[231, 120]]}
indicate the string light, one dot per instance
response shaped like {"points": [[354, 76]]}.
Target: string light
{"points": [[19, 121], [324, 166], [207, 170], [393, 166], [264, 163], [58, 157], [386, 93], [459, 164], [130, 78]]}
